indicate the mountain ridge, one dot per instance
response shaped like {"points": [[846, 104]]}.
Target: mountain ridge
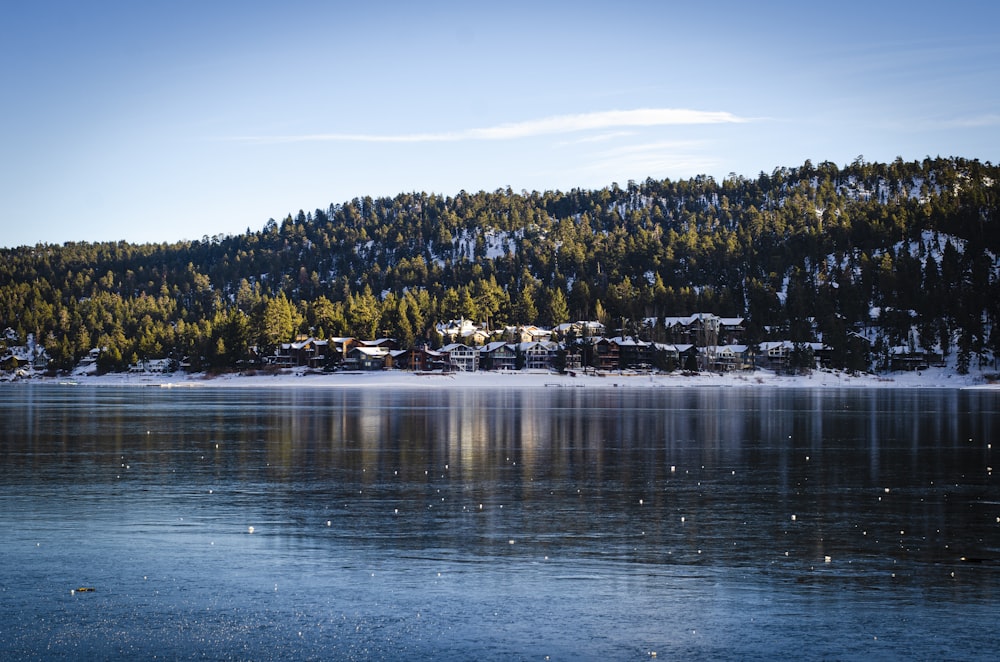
{"points": [[803, 253]]}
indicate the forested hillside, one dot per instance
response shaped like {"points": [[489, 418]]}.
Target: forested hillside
{"points": [[900, 253]]}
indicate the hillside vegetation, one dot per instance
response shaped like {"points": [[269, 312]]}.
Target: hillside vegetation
{"points": [[898, 253]]}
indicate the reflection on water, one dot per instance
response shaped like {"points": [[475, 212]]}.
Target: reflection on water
{"points": [[569, 523]]}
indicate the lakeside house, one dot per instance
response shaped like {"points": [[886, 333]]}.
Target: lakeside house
{"points": [[22, 360], [368, 358], [904, 357], [527, 333], [420, 359], [579, 329], [498, 355], [153, 366], [302, 352], [778, 355], [704, 329], [725, 358], [633, 353], [535, 355], [461, 357], [571, 346], [463, 331]]}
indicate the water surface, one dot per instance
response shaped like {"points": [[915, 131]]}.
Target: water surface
{"points": [[575, 524]]}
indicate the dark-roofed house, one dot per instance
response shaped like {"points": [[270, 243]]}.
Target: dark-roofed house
{"points": [[421, 359], [497, 356], [368, 358]]}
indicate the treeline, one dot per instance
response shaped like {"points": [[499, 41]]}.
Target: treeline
{"points": [[802, 253]]}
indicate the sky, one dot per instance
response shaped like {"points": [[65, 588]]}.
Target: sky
{"points": [[165, 121]]}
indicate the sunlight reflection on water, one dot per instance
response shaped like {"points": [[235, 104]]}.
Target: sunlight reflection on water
{"points": [[579, 524]]}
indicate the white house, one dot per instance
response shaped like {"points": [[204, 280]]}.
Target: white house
{"points": [[462, 357], [537, 355], [463, 330], [151, 366]]}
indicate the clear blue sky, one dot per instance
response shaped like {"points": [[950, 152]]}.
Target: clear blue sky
{"points": [[162, 121]]}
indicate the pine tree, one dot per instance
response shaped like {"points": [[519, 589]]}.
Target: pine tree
{"points": [[524, 309], [278, 323], [363, 315], [556, 308]]}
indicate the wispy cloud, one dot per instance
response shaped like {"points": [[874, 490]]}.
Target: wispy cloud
{"points": [[599, 138], [555, 125], [990, 119], [653, 158]]}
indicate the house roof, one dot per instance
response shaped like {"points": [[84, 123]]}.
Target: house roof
{"points": [[458, 327], [24, 353], [375, 343], [904, 350], [628, 341], [493, 346], [583, 324], [725, 349], [688, 320], [374, 352], [664, 347], [457, 347], [299, 344], [536, 345], [419, 350]]}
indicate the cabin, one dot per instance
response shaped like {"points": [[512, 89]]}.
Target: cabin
{"points": [[904, 358], [384, 343], [368, 358], [704, 329], [725, 358], [536, 355], [153, 366], [304, 351], [497, 355], [665, 355], [338, 348], [731, 330], [605, 355], [579, 329], [774, 354], [88, 364], [463, 331], [777, 355], [419, 359], [687, 356], [527, 333], [574, 358], [24, 358], [461, 357], [633, 353]]}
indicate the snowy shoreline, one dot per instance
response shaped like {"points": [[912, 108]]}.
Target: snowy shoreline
{"points": [[929, 379]]}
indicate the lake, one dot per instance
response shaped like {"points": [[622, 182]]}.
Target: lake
{"points": [[534, 524]]}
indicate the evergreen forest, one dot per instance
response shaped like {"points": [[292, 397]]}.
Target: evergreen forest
{"points": [[893, 253]]}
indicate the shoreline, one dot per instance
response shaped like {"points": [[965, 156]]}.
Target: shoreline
{"points": [[930, 379]]}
